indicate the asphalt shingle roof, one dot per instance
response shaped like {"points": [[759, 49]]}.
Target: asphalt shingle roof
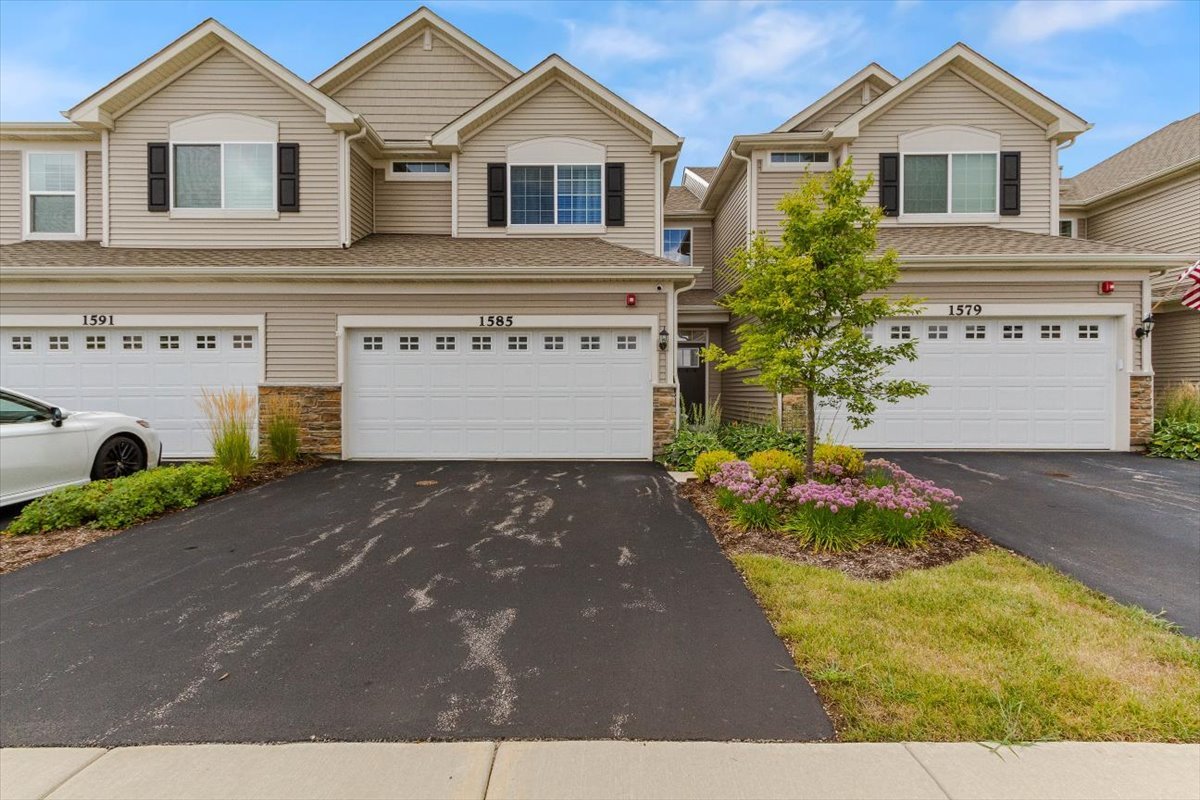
{"points": [[680, 200], [1167, 147], [704, 172], [378, 250], [982, 240]]}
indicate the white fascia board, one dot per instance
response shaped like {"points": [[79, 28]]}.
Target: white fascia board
{"points": [[91, 114], [696, 176], [871, 70], [668, 272], [661, 138]]}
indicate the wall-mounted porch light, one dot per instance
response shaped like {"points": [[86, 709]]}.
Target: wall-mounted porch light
{"points": [[664, 339], [1146, 326]]}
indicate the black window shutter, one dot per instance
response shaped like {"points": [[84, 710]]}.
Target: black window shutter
{"points": [[889, 183], [289, 176], [614, 194], [1010, 184], [158, 189], [497, 195]]}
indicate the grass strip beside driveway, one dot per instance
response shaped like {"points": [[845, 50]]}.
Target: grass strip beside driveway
{"points": [[992, 647]]}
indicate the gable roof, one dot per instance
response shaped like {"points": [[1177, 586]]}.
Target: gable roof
{"points": [[870, 73], [553, 68], [1059, 122], [398, 35], [1168, 149], [703, 173], [960, 246], [98, 111], [681, 200]]}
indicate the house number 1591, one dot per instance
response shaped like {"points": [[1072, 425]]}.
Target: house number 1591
{"points": [[99, 319]]}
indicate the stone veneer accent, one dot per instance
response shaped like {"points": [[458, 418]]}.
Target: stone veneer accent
{"points": [[664, 417], [795, 412], [320, 417], [1141, 409]]}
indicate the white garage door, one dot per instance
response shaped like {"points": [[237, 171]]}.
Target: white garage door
{"points": [[498, 394], [156, 374], [999, 383]]}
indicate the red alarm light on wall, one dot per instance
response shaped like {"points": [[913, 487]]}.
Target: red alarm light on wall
{"points": [[1106, 287], [631, 299]]}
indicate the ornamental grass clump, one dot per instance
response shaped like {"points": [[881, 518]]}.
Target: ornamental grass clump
{"points": [[230, 415], [283, 428], [825, 516]]}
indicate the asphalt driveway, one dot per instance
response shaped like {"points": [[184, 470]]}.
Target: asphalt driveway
{"points": [[394, 601], [1122, 523]]}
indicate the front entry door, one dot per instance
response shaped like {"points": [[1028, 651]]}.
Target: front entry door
{"points": [[691, 376]]}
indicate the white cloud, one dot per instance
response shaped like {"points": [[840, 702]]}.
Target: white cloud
{"points": [[1027, 21], [614, 43], [30, 92]]}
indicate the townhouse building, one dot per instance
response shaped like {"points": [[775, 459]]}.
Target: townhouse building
{"points": [[1028, 339], [442, 256]]}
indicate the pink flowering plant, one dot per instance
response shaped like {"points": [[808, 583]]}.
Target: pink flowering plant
{"points": [[835, 511]]}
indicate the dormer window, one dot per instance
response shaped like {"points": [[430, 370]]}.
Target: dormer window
{"points": [[556, 185]]}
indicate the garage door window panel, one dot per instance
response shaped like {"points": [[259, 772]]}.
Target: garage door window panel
{"points": [[1051, 331], [22, 343], [60, 343], [168, 342], [206, 341]]}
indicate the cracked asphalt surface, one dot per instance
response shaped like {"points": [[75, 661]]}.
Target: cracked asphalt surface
{"points": [[1122, 523], [507, 600]]}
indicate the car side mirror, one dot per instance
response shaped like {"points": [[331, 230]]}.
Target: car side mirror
{"points": [[56, 417]]}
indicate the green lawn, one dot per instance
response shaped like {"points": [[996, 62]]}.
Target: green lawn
{"points": [[992, 647]]}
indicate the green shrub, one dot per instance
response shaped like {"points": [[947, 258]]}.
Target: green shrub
{"points": [[682, 452], [746, 439], [760, 516], [1175, 439], [727, 500], [230, 415], [121, 502], [283, 427], [709, 462], [1182, 404], [894, 527], [850, 459], [783, 465]]}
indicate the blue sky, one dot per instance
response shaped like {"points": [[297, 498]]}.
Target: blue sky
{"points": [[707, 70]]}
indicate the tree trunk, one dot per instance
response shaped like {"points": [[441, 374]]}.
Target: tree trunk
{"points": [[810, 429]]}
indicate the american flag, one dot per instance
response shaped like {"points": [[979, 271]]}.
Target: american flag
{"points": [[1191, 294]]}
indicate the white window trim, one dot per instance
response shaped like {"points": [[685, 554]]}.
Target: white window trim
{"points": [[662, 244], [1074, 226], [80, 232], [554, 227], [437, 177], [949, 216], [811, 166], [222, 212]]}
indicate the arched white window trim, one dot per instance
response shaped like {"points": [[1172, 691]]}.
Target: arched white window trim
{"points": [[555, 151], [950, 140], [224, 128]]}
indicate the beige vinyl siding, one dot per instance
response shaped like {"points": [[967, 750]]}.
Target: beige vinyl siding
{"points": [[223, 82], [411, 206], [841, 108], [770, 187], [949, 100], [702, 254], [1175, 350], [10, 196], [362, 197], [301, 329], [414, 92], [729, 233], [559, 111], [741, 401], [94, 172], [1165, 218]]}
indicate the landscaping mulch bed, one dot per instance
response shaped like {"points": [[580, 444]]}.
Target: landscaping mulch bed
{"points": [[875, 562], [21, 551]]}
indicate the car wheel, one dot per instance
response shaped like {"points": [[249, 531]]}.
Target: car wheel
{"points": [[119, 456]]}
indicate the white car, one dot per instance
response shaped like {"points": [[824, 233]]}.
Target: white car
{"points": [[43, 447]]}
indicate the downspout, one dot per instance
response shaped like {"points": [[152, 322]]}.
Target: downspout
{"points": [[345, 221], [673, 347], [1055, 178], [749, 193], [104, 220]]}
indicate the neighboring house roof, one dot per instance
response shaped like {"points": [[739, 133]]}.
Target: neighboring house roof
{"points": [[46, 131], [877, 75], [704, 173], [99, 110], [1173, 147], [972, 244], [698, 297], [1061, 124], [378, 255], [400, 34], [556, 68], [680, 200]]}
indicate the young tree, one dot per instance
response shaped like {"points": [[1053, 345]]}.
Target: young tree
{"points": [[806, 306]]}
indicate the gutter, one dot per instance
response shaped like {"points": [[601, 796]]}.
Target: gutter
{"points": [[1141, 183], [57, 274], [1068, 260]]}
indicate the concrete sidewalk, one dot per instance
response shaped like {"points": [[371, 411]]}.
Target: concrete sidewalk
{"points": [[604, 769]]}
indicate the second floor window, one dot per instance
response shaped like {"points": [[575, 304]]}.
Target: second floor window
{"points": [[52, 194], [955, 183], [555, 194], [230, 175], [677, 245]]}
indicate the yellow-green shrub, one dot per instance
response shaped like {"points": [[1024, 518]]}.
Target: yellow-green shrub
{"points": [[708, 463], [848, 458], [779, 463]]}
